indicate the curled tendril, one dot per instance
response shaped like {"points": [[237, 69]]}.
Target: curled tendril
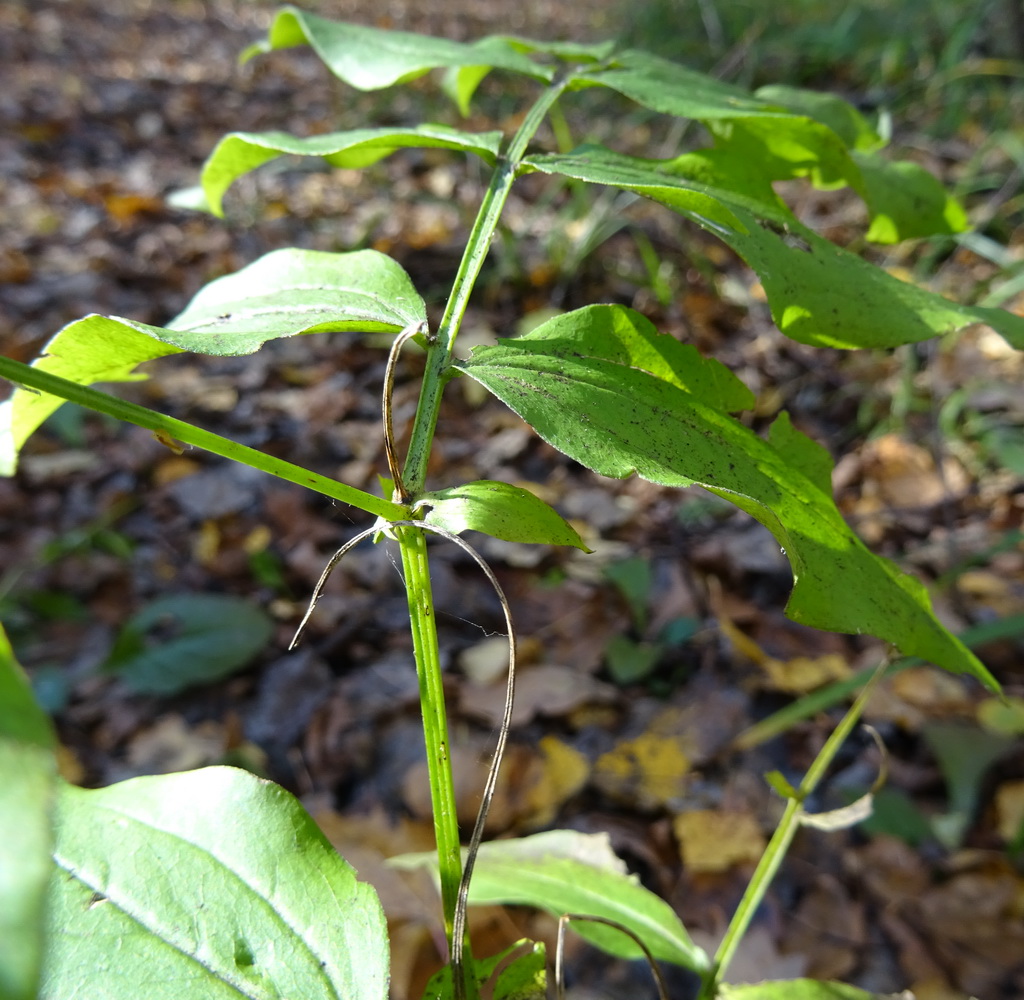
{"points": [[400, 494], [564, 922], [462, 898]]}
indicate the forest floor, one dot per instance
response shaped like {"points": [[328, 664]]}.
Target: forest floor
{"points": [[646, 663]]}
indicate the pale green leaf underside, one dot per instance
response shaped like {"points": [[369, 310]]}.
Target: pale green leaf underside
{"points": [[372, 58], [211, 883], [240, 152], [627, 421], [29, 773], [500, 510], [284, 293], [562, 885], [800, 989], [819, 294]]}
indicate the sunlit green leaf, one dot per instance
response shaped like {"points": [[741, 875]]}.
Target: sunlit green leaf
{"points": [[372, 58], [211, 883], [819, 293], [510, 513], [29, 772], [800, 989], [626, 421], [839, 115], [284, 293], [523, 975], [239, 152]]}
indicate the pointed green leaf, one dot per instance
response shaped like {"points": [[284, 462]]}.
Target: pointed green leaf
{"points": [[619, 334], [819, 293], [906, 201], [284, 293], [29, 773], [839, 115], [212, 883], [563, 871], [239, 152], [180, 640], [500, 510], [601, 166], [564, 885], [672, 89], [800, 989], [373, 58], [627, 421]]}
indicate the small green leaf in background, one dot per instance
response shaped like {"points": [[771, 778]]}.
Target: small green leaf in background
{"points": [[800, 989], [629, 661], [213, 884], [185, 639], [239, 152], [28, 773], [964, 753], [284, 293], [500, 510], [633, 579]]}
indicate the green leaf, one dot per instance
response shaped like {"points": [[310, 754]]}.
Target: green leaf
{"points": [[558, 884], [524, 977], [563, 871], [906, 201], [619, 334], [629, 661], [601, 166], [800, 989], [374, 58], [211, 883], [185, 639], [634, 579], [510, 513], [626, 421], [675, 90], [819, 293], [839, 115], [284, 293], [239, 152], [29, 770]]}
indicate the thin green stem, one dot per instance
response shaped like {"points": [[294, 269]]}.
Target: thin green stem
{"points": [[435, 724], [781, 840], [178, 430], [439, 354]]}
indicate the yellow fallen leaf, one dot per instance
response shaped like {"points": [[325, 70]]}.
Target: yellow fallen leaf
{"points": [[647, 771], [558, 775], [712, 840], [1010, 810]]}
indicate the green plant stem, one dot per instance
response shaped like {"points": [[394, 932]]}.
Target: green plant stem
{"points": [[141, 416], [435, 723], [439, 352], [777, 847]]}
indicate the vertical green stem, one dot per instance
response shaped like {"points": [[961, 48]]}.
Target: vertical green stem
{"points": [[439, 353], [435, 724], [776, 850]]}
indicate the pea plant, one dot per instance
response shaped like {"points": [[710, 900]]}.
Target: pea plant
{"points": [[215, 883]]}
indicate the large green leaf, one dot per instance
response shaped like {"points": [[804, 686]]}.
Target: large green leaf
{"points": [[180, 640], [239, 152], [212, 884], [29, 772], [800, 989], [500, 510], [618, 420], [819, 293], [563, 871], [284, 293], [373, 58]]}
